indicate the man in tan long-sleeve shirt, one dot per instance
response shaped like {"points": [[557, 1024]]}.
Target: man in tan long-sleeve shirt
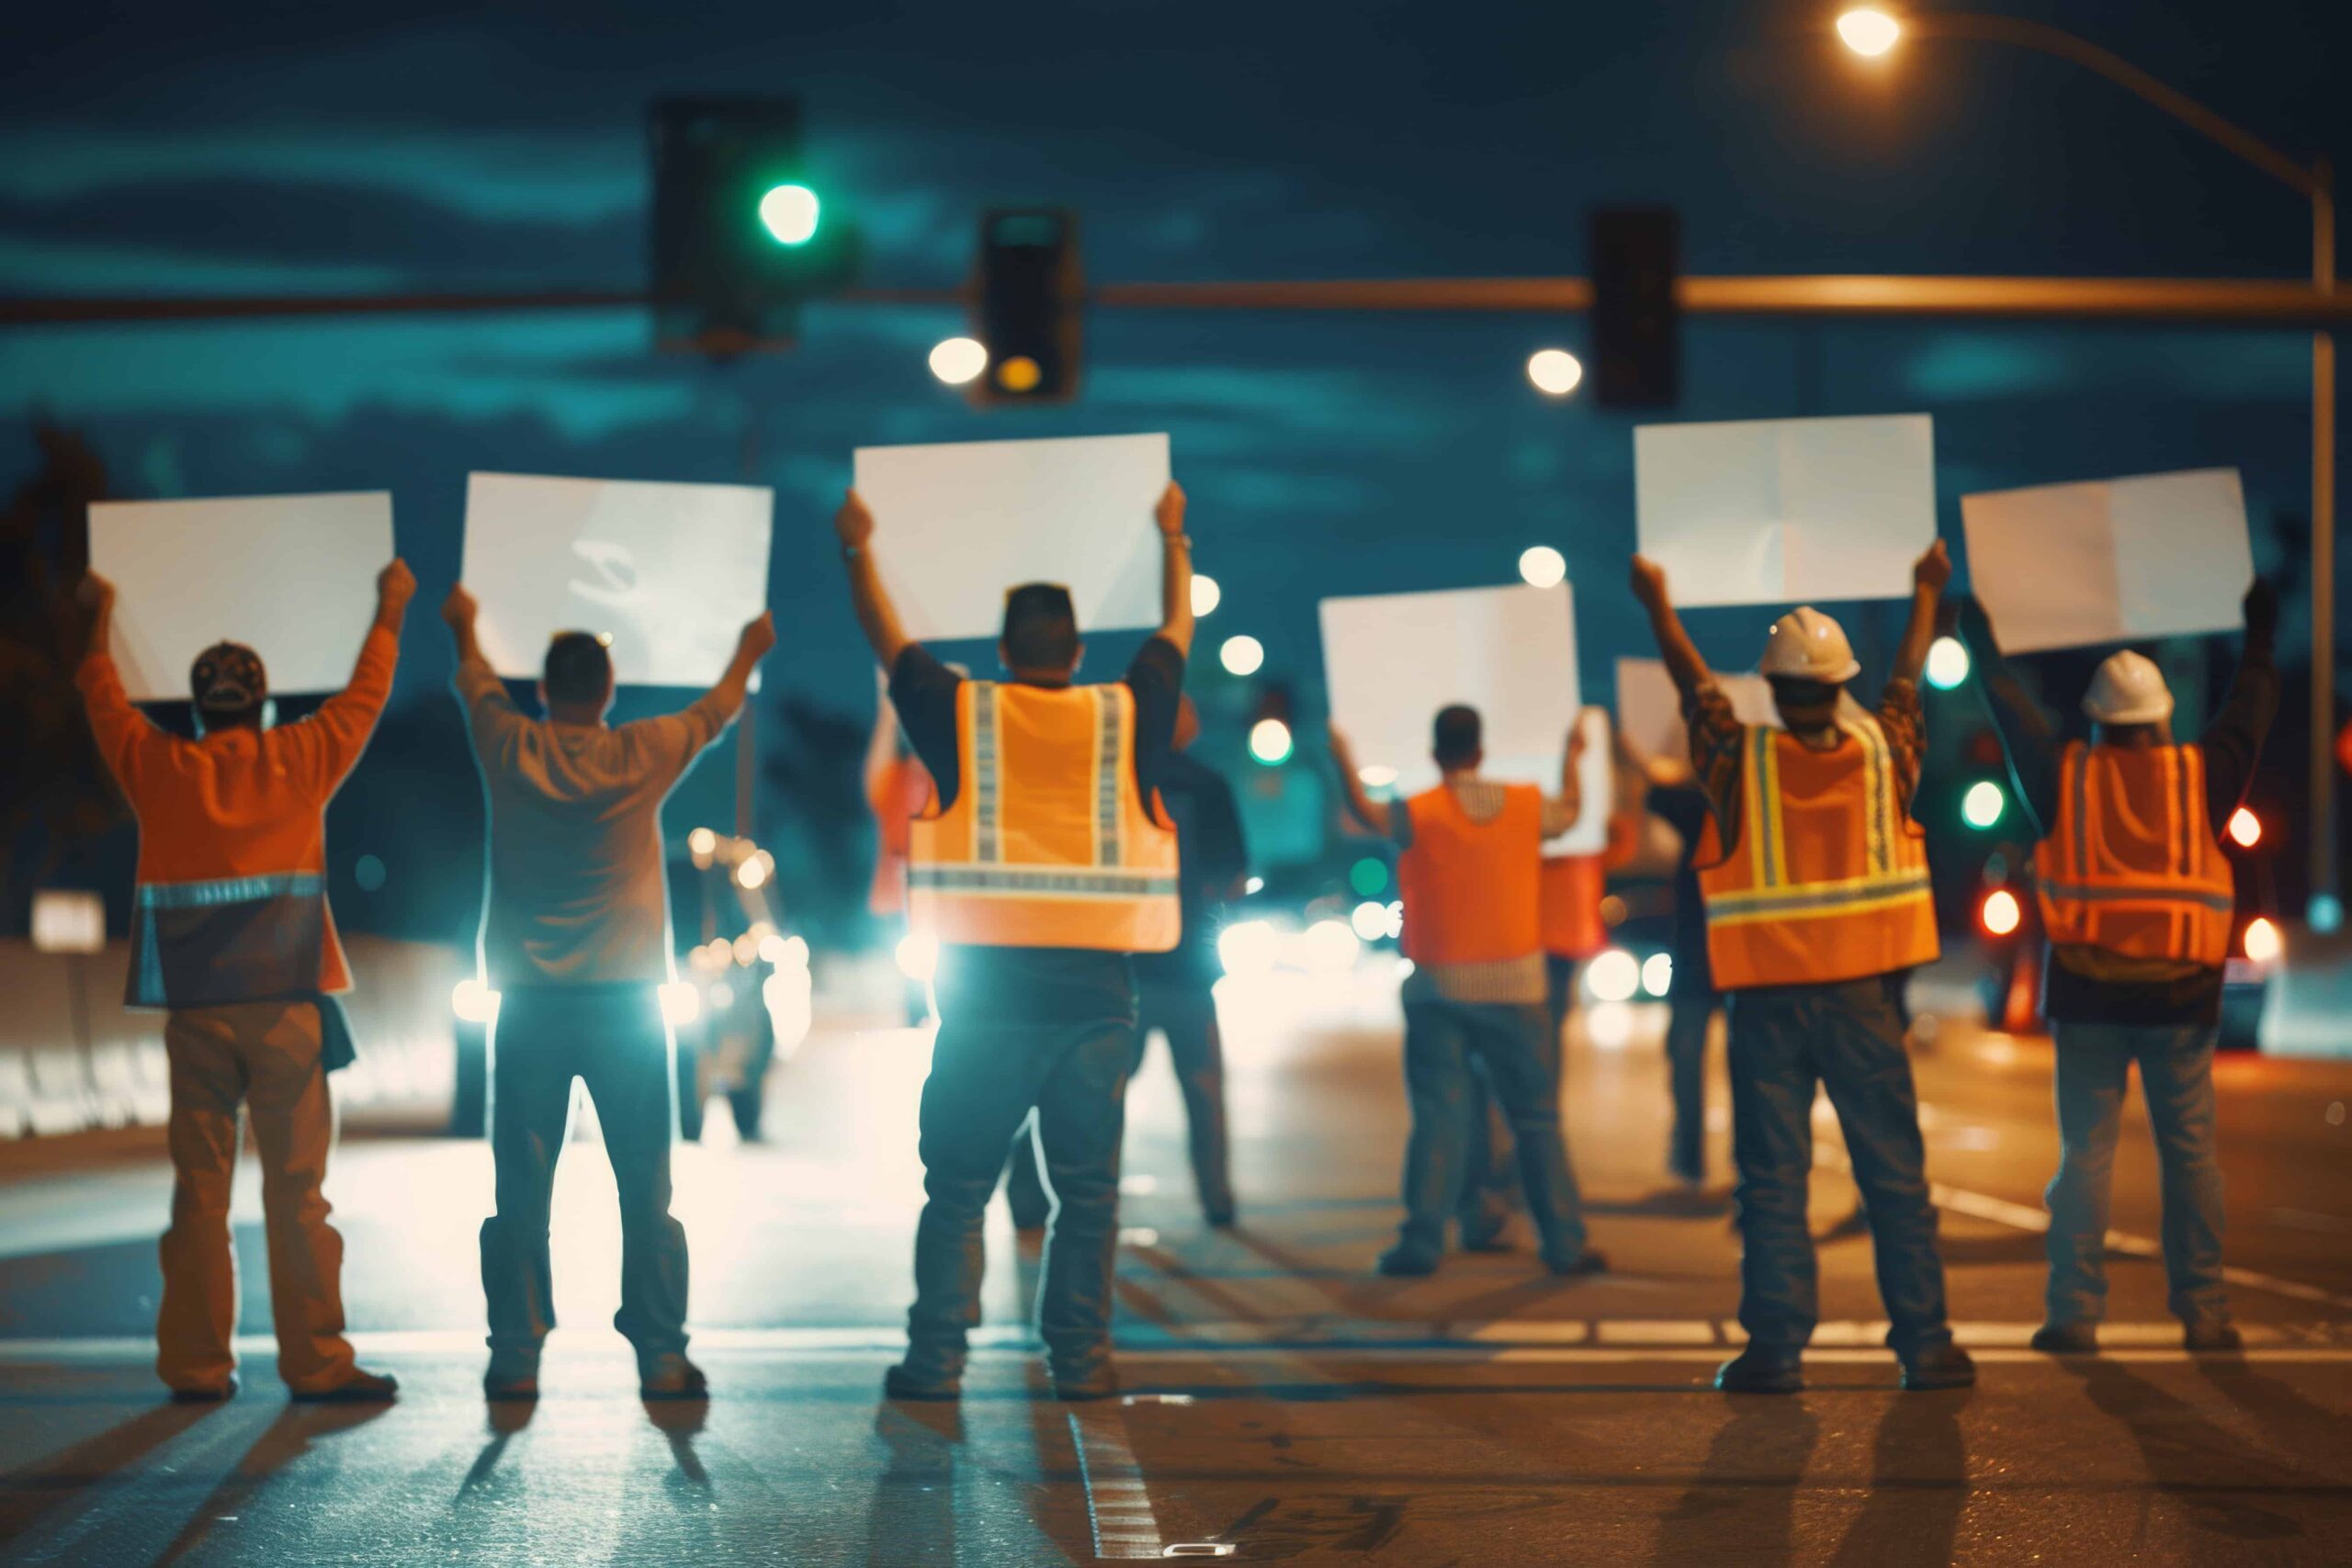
{"points": [[576, 942]]}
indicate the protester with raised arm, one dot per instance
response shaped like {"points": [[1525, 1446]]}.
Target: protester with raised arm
{"points": [[1815, 882], [1045, 861], [231, 934], [575, 939]]}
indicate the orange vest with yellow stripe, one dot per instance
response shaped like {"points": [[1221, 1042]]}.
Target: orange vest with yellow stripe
{"points": [[2132, 865], [1829, 879], [1472, 890], [1050, 841]]}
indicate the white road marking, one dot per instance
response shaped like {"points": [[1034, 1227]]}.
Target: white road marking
{"points": [[1118, 1505]]}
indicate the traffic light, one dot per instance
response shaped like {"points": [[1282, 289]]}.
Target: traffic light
{"points": [[742, 232], [1270, 725], [1637, 318], [1028, 308]]}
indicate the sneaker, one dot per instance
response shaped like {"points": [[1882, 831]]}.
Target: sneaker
{"points": [[512, 1374], [2211, 1337], [1941, 1366], [2066, 1339], [1591, 1261], [900, 1382], [1220, 1217], [206, 1394], [1405, 1262], [357, 1388], [1762, 1368], [1097, 1380], [668, 1375]]}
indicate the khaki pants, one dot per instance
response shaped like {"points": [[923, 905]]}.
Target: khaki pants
{"points": [[264, 1055]]}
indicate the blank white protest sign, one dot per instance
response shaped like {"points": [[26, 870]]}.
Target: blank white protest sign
{"points": [[671, 571], [1391, 660], [957, 524], [292, 577], [1649, 709], [2111, 560], [1778, 510]]}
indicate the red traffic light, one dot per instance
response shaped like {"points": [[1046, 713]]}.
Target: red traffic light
{"points": [[2000, 913]]}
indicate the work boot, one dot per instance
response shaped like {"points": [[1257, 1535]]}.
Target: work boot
{"points": [[1762, 1368], [357, 1387], [1938, 1366], [2209, 1336], [926, 1374], [1220, 1216], [1591, 1261], [206, 1394], [1488, 1238], [512, 1374], [1084, 1381], [1406, 1261], [667, 1374], [2066, 1339]]}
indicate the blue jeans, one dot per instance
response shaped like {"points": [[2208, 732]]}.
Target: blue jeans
{"points": [[1442, 1039], [1846, 1038], [2094, 1063], [994, 1060], [1688, 1013]]}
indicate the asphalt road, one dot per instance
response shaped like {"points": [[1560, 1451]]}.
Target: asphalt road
{"points": [[1284, 1402]]}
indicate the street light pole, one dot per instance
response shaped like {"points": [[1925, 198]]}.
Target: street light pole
{"points": [[2316, 183]]}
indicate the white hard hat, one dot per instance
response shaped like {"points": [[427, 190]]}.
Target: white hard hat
{"points": [[2128, 689], [1809, 646]]}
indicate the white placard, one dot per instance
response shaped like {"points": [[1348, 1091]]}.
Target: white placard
{"points": [[1778, 510], [2111, 560], [956, 524], [671, 572], [292, 577], [1649, 709], [1391, 660]]}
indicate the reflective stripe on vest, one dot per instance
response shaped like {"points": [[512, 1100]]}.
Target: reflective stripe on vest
{"points": [[230, 939], [1831, 880], [1049, 842], [2132, 865]]}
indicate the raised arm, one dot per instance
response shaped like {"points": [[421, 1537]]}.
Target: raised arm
{"points": [[877, 617], [727, 697], [882, 745], [1175, 571], [1352, 795], [338, 731], [1565, 809], [458, 612], [123, 733], [1929, 575], [1674, 643], [2029, 733]]}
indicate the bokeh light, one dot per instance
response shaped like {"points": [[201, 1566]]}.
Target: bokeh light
{"points": [[957, 360], [1555, 371], [1541, 565], [1241, 655]]}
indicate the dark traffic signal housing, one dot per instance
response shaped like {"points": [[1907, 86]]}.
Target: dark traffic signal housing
{"points": [[1028, 307], [1637, 318], [741, 233]]}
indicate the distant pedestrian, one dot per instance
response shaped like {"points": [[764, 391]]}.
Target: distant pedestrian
{"points": [[575, 939], [2137, 897], [1043, 864], [1816, 883], [232, 934], [1691, 1000], [1470, 870]]}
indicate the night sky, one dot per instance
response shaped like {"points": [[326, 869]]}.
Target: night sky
{"points": [[355, 147]]}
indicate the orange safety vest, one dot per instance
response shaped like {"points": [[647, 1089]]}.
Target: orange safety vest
{"points": [[1471, 890], [1050, 841], [2132, 865], [1573, 886], [1829, 881]]}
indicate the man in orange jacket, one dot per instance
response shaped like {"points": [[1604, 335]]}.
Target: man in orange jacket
{"points": [[231, 935], [1045, 861], [1815, 880], [1470, 873]]}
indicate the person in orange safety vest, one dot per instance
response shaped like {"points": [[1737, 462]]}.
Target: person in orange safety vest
{"points": [[1815, 884], [1044, 860]]}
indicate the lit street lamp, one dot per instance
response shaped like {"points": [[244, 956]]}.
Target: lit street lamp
{"points": [[1872, 32]]}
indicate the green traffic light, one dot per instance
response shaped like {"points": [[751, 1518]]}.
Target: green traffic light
{"points": [[789, 213], [1369, 878]]}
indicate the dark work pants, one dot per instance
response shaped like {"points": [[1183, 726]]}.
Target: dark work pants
{"points": [[613, 1039], [1442, 1040], [1185, 1012], [1492, 1163], [990, 1067], [1687, 1014], [1846, 1038]]}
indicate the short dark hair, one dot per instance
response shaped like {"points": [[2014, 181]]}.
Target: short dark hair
{"points": [[1458, 735], [578, 667], [1040, 627]]}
